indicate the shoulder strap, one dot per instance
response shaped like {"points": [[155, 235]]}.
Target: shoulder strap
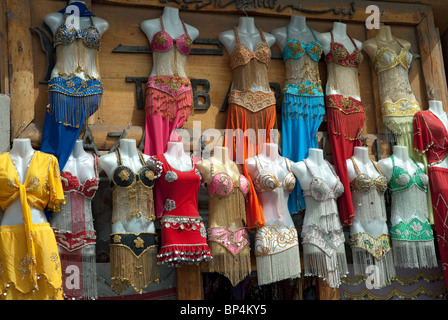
{"points": [[161, 23], [332, 38], [305, 161], [118, 153], [393, 160], [355, 166], [237, 38], [185, 28], [259, 166], [91, 20], [376, 167], [353, 41], [140, 155], [261, 35], [331, 168], [288, 164], [287, 32], [313, 33]]}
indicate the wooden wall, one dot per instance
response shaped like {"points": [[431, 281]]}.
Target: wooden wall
{"points": [[26, 64]]}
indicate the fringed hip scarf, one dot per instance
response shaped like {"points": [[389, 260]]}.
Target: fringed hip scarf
{"points": [[169, 102], [73, 100], [345, 120], [133, 260]]}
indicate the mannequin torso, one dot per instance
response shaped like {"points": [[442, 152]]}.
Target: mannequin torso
{"points": [[402, 160], [177, 158], [436, 107], [66, 53], [131, 159], [298, 29], [21, 154], [172, 24], [80, 163], [341, 79]]}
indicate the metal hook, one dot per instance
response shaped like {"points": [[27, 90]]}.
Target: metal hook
{"points": [[247, 16]]}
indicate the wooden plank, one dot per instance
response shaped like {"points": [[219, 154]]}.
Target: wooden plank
{"points": [[396, 13], [20, 65], [4, 75], [189, 283], [325, 292], [432, 60]]}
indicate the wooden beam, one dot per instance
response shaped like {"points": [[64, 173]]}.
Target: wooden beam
{"points": [[395, 13], [21, 71], [4, 75], [432, 60], [189, 283]]}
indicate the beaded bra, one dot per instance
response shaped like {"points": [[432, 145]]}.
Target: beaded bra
{"points": [[162, 41], [90, 36], [364, 183], [124, 176], [241, 54], [223, 185], [266, 181], [339, 54], [72, 183], [386, 59], [319, 188], [402, 180], [295, 49]]}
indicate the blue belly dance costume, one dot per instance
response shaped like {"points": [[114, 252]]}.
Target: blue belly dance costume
{"points": [[73, 96], [302, 107]]}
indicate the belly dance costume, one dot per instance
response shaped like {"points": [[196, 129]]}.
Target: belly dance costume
{"points": [[133, 256], [322, 236], [411, 233], [75, 94], [276, 246], [345, 119], [369, 236], [251, 114], [76, 236], [184, 237], [431, 138], [169, 97], [30, 267], [302, 106], [228, 237], [398, 103]]}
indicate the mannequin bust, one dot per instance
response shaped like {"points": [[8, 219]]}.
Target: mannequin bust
{"points": [[80, 163], [131, 159], [172, 24], [248, 34], [54, 20], [385, 38], [319, 167], [436, 107], [365, 165], [402, 160], [275, 209], [340, 36], [221, 159], [298, 30], [177, 158], [21, 155], [341, 79]]}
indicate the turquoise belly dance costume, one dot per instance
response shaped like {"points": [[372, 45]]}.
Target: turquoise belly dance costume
{"points": [[302, 106], [71, 99]]}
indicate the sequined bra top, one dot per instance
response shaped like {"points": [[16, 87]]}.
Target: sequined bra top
{"points": [[319, 188], [266, 181], [339, 54], [88, 189], [162, 41], [90, 36], [295, 49], [386, 59], [223, 185], [241, 54], [401, 179], [124, 176], [363, 183]]}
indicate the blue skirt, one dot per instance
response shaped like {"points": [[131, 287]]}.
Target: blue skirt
{"points": [[301, 118], [70, 103]]}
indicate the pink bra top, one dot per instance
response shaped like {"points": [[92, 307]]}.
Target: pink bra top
{"points": [[163, 42], [222, 184], [87, 189]]}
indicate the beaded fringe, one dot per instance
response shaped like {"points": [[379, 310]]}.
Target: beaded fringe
{"points": [[338, 123], [303, 107], [278, 266], [72, 110], [386, 268], [414, 254], [126, 267], [330, 268], [234, 268]]}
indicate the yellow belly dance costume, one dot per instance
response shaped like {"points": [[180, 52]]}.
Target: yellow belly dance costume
{"points": [[398, 103], [30, 267]]}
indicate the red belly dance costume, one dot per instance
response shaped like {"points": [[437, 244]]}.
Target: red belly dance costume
{"points": [[251, 114], [431, 137], [345, 119], [183, 234], [169, 97], [76, 236]]}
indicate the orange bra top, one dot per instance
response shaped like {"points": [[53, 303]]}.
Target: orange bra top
{"points": [[241, 55]]}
